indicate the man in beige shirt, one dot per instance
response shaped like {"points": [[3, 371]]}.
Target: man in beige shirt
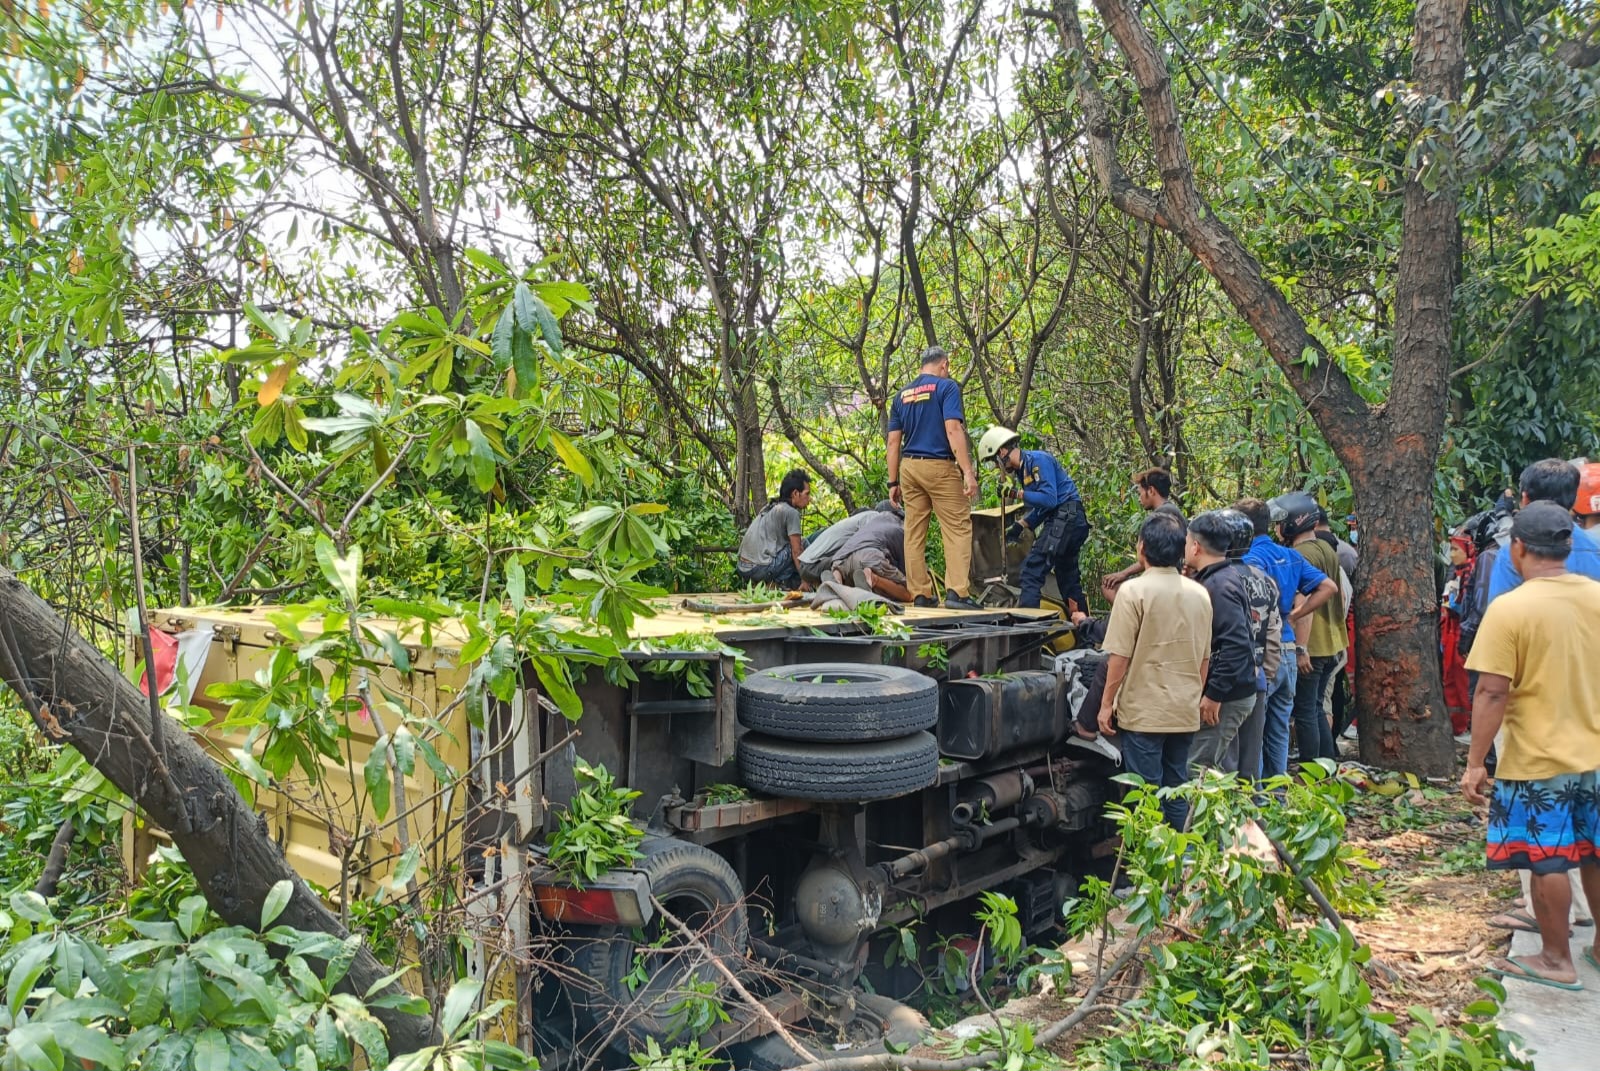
{"points": [[1159, 640]]}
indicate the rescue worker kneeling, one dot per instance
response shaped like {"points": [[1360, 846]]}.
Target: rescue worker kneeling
{"points": [[1055, 516]]}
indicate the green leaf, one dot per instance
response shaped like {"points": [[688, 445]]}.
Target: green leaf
{"points": [[481, 454], [211, 1051], [376, 774], [90, 1046], [25, 973], [277, 899], [571, 457], [398, 655], [191, 913], [516, 582], [486, 262], [183, 992], [34, 1046], [553, 677], [343, 573], [149, 995], [31, 906], [458, 1005], [405, 750], [406, 868]]}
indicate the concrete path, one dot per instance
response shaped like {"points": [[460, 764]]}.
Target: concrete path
{"points": [[1561, 1029]]}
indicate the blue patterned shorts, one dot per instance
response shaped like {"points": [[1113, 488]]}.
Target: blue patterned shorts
{"points": [[1548, 826]]}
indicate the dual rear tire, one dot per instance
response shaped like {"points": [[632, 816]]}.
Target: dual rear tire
{"points": [[838, 731]]}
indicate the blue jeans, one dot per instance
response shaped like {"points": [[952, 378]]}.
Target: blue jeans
{"points": [[1311, 728], [1162, 759], [1062, 557], [1280, 701], [779, 572]]}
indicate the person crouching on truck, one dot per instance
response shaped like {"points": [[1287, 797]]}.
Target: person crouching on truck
{"points": [[816, 562], [1055, 516], [874, 557], [772, 545]]}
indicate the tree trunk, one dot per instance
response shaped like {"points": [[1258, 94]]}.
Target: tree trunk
{"points": [[75, 694], [1399, 695], [750, 479], [1389, 450], [1401, 703]]}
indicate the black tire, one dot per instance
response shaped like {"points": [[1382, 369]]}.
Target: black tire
{"points": [[699, 887], [839, 701], [868, 771], [877, 1020]]}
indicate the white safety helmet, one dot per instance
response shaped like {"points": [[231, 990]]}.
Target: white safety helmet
{"points": [[994, 440]]}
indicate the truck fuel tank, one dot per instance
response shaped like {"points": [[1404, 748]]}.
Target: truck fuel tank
{"points": [[982, 717]]}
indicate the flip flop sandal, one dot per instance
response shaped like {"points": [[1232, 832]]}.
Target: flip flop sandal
{"points": [[1594, 961], [1520, 922], [1514, 969]]}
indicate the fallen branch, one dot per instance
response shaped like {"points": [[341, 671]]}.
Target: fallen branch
{"points": [[55, 864], [888, 1061], [738, 987]]}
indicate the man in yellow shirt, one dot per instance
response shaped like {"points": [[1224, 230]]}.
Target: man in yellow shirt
{"points": [[1539, 676]]}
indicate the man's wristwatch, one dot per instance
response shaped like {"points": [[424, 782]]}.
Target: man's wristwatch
{"points": [[894, 483]]}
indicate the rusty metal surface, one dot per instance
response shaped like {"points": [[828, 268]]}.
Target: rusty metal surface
{"points": [[692, 817], [788, 1007]]}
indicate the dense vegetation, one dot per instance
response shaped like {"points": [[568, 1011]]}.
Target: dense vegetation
{"points": [[412, 309]]}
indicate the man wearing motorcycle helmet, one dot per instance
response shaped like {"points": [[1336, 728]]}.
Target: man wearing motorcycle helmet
{"points": [[1244, 753], [1325, 640], [1301, 589]]}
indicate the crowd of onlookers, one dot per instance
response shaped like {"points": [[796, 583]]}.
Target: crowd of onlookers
{"points": [[1230, 633], [1223, 638]]}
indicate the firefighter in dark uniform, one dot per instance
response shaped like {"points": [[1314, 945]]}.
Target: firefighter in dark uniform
{"points": [[1055, 515]]}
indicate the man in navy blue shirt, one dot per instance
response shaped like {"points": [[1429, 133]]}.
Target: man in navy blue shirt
{"points": [[1550, 480], [1301, 589], [930, 473], [1055, 516]]}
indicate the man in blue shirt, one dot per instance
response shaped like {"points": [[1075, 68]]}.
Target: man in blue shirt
{"points": [[1550, 480], [1301, 589], [1055, 516], [930, 473]]}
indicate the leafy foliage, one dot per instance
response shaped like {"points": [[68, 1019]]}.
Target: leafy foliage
{"points": [[1247, 978], [186, 991], [594, 832]]}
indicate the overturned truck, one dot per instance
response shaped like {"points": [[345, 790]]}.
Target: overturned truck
{"points": [[850, 784]]}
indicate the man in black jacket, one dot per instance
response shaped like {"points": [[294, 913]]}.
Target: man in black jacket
{"points": [[1230, 690]]}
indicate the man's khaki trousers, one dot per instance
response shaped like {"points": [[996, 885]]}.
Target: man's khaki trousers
{"points": [[933, 489]]}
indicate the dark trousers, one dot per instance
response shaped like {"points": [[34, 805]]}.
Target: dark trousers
{"points": [[1311, 728], [1344, 705], [1244, 754], [1162, 759], [1056, 546], [779, 572]]}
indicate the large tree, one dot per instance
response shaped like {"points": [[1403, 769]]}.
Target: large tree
{"points": [[1388, 441]]}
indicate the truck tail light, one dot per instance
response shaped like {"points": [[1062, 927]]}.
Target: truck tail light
{"points": [[589, 907]]}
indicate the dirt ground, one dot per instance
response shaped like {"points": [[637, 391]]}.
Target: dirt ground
{"points": [[1433, 927]]}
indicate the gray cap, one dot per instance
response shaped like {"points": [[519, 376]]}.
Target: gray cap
{"points": [[1543, 526]]}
